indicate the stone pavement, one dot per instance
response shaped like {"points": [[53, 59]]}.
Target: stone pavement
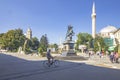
{"points": [[93, 60], [104, 61], [26, 67]]}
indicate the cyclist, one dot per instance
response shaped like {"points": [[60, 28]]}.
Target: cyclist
{"points": [[49, 57]]}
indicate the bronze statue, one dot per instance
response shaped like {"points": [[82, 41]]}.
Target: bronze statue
{"points": [[70, 33]]}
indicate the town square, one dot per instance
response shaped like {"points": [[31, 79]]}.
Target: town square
{"points": [[59, 40]]}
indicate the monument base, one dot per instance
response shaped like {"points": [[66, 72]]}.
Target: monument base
{"points": [[68, 53]]}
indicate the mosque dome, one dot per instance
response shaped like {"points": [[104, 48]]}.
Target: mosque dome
{"points": [[108, 29]]}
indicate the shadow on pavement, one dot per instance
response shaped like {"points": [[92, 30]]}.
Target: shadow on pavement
{"points": [[14, 68], [78, 58]]}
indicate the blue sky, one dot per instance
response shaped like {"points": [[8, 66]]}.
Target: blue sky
{"points": [[52, 17]]}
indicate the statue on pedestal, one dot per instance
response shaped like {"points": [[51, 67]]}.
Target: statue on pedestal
{"points": [[69, 43]]}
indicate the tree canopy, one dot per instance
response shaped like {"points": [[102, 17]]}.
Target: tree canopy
{"points": [[99, 44], [12, 40], [83, 39], [44, 42]]}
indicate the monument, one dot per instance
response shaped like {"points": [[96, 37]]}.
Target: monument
{"points": [[68, 49]]}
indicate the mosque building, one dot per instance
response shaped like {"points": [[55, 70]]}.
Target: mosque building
{"points": [[110, 34], [117, 35]]}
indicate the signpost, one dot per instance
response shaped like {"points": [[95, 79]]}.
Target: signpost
{"points": [[111, 48]]}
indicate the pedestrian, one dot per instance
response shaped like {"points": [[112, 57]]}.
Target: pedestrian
{"points": [[116, 57], [100, 54], [111, 57], [89, 54], [114, 53]]}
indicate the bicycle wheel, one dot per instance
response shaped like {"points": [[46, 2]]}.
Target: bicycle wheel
{"points": [[56, 63], [46, 64]]}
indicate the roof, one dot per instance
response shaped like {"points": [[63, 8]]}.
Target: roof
{"points": [[117, 30], [108, 29]]}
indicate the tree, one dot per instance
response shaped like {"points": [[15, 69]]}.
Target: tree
{"points": [[116, 48], [27, 46], [1, 40], [35, 43], [12, 39], [54, 46], [44, 42], [99, 44], [83, 39], [43, 45]]}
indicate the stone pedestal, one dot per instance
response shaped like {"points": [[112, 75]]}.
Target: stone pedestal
{"points": [[68, 49]]}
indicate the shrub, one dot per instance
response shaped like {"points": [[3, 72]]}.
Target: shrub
{"points": [[41, 52]]}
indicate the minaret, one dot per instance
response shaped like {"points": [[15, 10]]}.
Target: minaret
{"points": [[93, 15], [29, 33]]}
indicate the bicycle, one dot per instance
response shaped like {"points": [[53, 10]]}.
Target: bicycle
{"points": [[54, 63]]}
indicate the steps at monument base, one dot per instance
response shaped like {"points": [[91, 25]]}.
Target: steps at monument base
{"points": [[68, 53]]}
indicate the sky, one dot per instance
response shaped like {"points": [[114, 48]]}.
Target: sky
{"points": [[52, 17]]}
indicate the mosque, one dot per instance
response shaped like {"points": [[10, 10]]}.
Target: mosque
{"points": [[110, 33]]}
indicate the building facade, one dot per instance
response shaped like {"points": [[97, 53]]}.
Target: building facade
{"points": [[108, 32], [117, 35], [111, 35]]}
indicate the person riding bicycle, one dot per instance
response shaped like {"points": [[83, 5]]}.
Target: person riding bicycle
{"points": [[49, 57]]}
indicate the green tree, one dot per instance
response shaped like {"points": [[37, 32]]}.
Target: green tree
{"points": [[28, 46], [12, 39], [35, 43], [44, 42], [116, 48], [54, 46], [31, 45], [43, 45], [99, 44], [83, 39], [2, 40]]}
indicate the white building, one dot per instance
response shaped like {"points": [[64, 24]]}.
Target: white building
{"points": [[117, 35], [112, 33], [108, 32]]}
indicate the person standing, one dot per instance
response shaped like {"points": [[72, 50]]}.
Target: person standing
{"points": [[100, 54], [111, 57], [116, 57]]}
